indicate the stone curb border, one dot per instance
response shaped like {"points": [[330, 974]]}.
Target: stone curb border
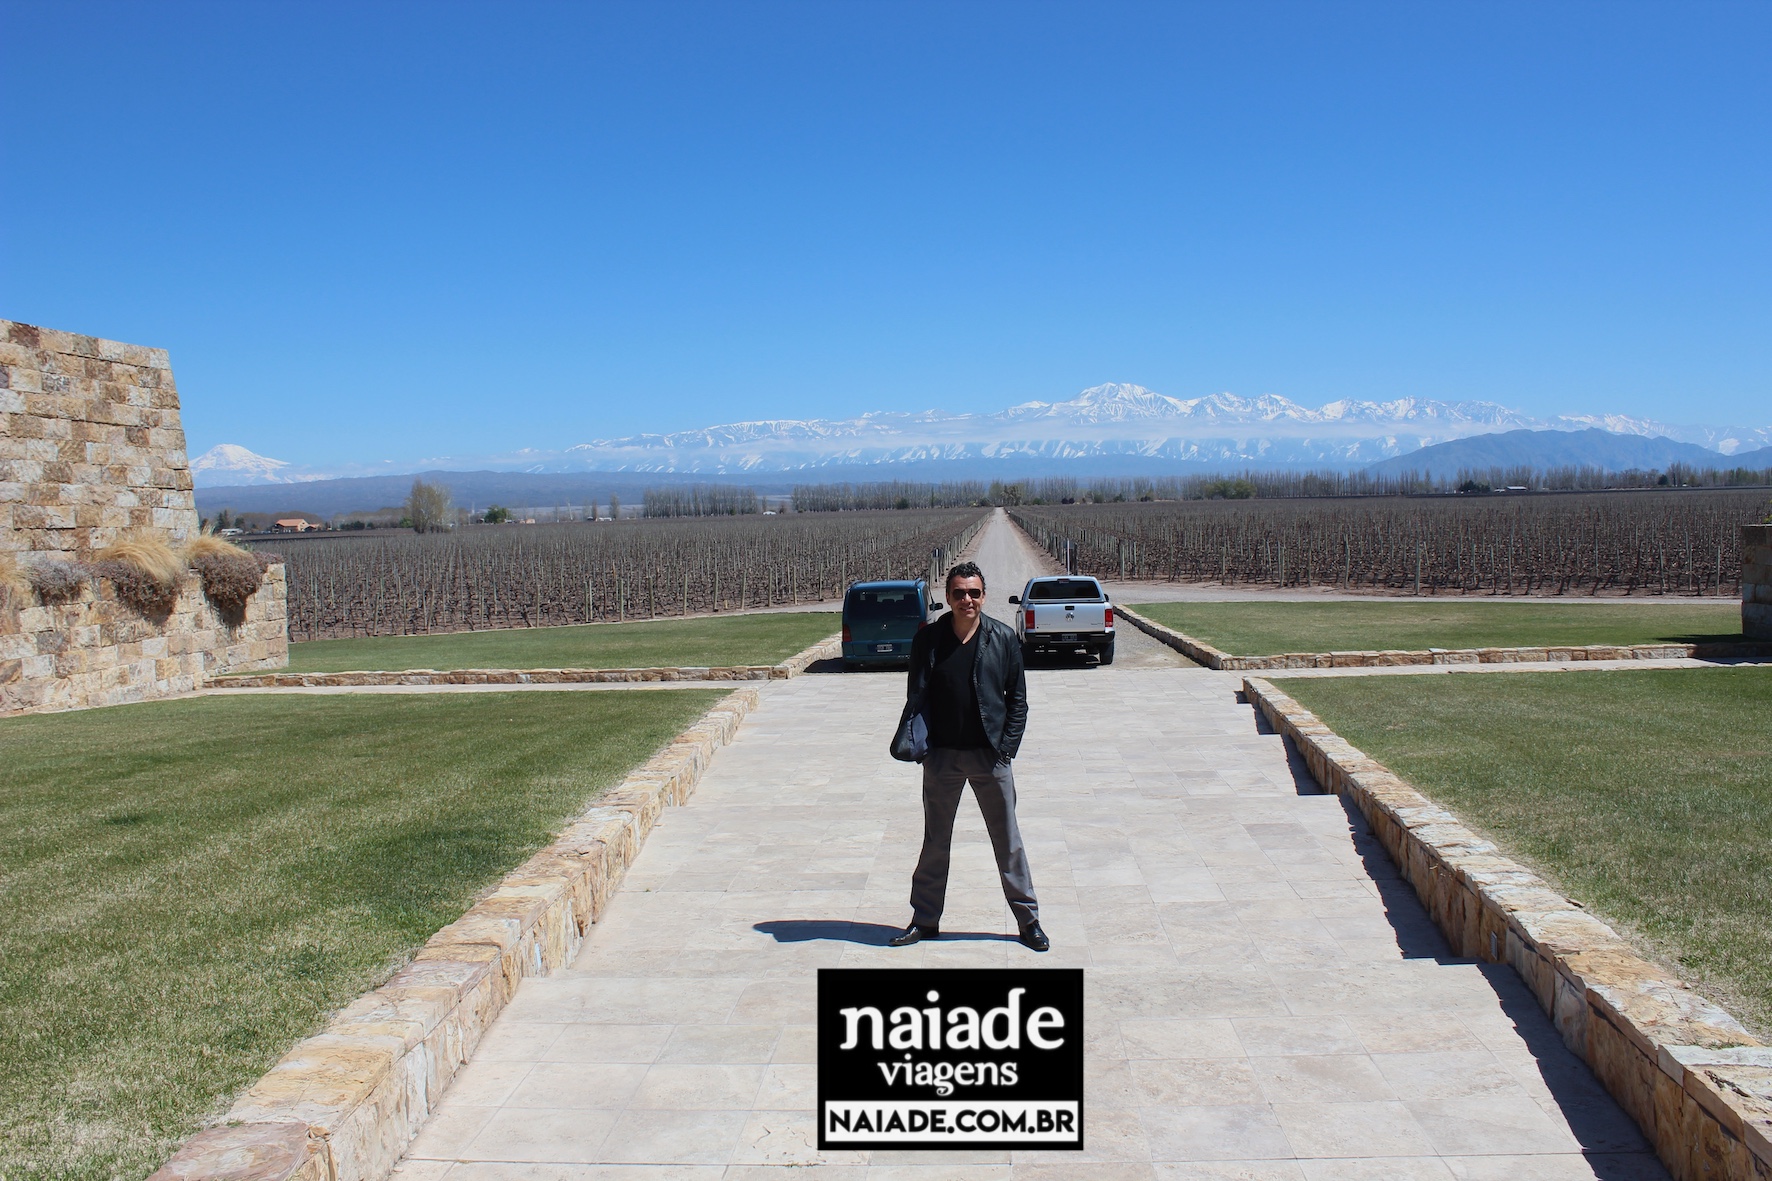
{"points": [[344, 1104], [793, 666], [1696, 1082], [1203, 653]]}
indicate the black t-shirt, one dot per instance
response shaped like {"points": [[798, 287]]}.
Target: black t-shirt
{"points": [[952, 707]]}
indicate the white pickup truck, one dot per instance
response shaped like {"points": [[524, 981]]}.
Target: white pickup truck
{"points": [[1065, 614]]}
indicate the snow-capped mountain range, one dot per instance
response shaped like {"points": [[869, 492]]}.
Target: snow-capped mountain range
{"points": [[1112, 424]]}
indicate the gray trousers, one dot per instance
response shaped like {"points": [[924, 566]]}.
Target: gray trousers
{"points": [[945, 776]]}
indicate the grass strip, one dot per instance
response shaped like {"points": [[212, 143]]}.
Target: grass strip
{"points": [[716, 641], [1267, 629], [1645, 794], [193, 886]]}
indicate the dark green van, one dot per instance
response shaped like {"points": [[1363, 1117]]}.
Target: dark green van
{"points": [[880, 619]]}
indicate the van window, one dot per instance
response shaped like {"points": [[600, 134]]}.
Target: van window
{"points": [[884, 602], [1069, 589]]}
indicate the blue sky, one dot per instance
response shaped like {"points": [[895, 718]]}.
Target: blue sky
{"points": [[372, 231]]}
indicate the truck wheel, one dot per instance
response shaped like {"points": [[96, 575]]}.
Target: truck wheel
{"points": [[1107, 654]]}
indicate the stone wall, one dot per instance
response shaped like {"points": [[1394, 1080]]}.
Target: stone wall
{"points": [[1756, 581], [91, 449], [94, 650], [90, 445]]}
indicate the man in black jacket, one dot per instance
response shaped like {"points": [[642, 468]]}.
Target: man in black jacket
{"points": [[967, 680]]}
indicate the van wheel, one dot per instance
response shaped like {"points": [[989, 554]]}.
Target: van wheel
{"points": [[1107, 654]]}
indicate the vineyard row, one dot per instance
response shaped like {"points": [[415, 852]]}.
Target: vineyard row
{"points": [[1602, 544], [537, 576]]}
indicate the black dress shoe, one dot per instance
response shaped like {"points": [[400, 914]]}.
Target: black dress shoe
{"points": [[913, 934], [1032, 936]]}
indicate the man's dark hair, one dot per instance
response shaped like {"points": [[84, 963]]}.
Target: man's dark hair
{"points": [[965, 570]]}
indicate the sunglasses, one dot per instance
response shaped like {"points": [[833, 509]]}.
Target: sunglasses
{"points": [[965, 592]]}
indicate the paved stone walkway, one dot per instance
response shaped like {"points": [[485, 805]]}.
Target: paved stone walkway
{"points": [[1266, 1000]]}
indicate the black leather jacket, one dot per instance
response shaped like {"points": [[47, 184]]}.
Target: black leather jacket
{"points": [[998, 678]]}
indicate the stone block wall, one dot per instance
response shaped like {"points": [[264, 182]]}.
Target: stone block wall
{"points": [[94, 650], [92, 449], [90, 443], [1756, 581]]}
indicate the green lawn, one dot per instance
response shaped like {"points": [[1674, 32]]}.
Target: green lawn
{"points": [[666, 643], [190, 887], [1645, 794], [1265, 629]]}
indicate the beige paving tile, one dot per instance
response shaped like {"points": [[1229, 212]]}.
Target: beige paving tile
{"points": [[721, 1043], [577, 1084], [607, 1043], [1244, 1170], [789, 1087], [1083, 1171], [937, 1166], [1640, 1166], [515, 1041], [1446, 1075], [700, 1087], [1394, 1033], [563, 1171], [789, 1139], [1353, 1129], [1181, 1038], [541, 1134], [1466, 1126], [654, 1137], [487, 1084], [1186, 1082], [449, 1131], [1321, 1078], [1394, 1168], [1248, 1131], [1278, 1036]]}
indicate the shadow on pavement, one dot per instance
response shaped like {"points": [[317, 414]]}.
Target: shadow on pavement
{"points": [[1302, 780], [866, 934], [1611, 1143]]}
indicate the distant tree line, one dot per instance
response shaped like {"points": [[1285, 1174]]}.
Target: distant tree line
{"points": [[890, 494], [1250, 485], [701, 500]]}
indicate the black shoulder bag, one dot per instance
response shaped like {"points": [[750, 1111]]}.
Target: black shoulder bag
{"points": [[911, 742]]}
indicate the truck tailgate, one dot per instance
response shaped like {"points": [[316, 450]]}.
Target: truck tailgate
{"points": [[1068, 618]]}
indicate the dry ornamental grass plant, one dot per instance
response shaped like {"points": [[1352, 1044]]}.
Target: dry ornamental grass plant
{"points": [[56, 581], [144, 570], [231, 575]]}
